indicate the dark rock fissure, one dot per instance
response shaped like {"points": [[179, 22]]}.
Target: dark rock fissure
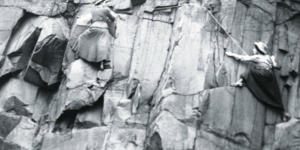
{"points": [[65, 122], [69, 118], [155, 142], [23, 55]]}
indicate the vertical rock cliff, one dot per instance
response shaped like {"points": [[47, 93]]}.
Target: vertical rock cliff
{"points": [[48, 99]]}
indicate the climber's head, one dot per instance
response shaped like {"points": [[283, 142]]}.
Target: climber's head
{"points": [[260, 48]]}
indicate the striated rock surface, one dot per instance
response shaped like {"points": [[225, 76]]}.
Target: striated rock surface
{"points": [[170, 86], [39, 7], [8, 24], [287, 135], [28, 47]]}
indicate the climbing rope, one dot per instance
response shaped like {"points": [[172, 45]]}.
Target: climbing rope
{"points": [[170, 7], [170, 70], [225, 31], [215, 20]]}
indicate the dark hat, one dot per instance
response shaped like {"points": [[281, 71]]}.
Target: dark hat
{"points": [[261, 47]]}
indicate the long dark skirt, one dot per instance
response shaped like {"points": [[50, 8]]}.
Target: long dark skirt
{"points": [[93, 45], [263, 85]]}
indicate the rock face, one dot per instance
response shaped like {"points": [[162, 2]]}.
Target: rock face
{"points": [[39, 7], [51, 99], [287, 135]]}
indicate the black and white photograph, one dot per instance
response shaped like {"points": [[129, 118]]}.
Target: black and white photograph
{"points": [[149, 74]]}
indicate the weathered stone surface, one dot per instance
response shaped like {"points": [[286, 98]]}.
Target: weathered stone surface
{"points": [[74, 99], [211, 140], [151, 5], [167, 16], [124, 44], [188, 62], [293, 101], [6, 145], [8, 24], [8, 122], [118, 108], [284, 12], [90, 116], [39, 7], [80, 72], [85, 1], [131, 87], [52, 25], [287, 135], [218, 129], [80, 78], [18, 96], [78, 101], [180, 106], [21, 45], [122, 5], [149, 56], [249, 128], [125, 138], [23, 133], [269, 137], [19, 49], [219, 109], [183, 112], [57, 105], [47, 60], [42, 103], [165, 124], [65, 122], [79, 139], [288, 59], [155, 142], [13, 104]]}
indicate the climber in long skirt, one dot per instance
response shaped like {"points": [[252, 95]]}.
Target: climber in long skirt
{"points": [[93, 45], [261, 79]]}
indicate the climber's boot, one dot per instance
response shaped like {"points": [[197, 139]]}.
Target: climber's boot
{"points": [[238, 83]]}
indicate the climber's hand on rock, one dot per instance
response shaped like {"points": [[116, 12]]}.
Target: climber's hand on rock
{"points": [[229, 54]]}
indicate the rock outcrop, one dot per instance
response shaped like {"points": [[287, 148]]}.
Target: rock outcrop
{"points": [[39, 7], [170, 86]]}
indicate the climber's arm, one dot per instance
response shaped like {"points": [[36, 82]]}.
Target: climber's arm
{"points": [[112, 15], [242, 57], [274, 62]]}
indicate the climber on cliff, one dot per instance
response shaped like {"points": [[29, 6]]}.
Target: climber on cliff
{"points": [[93, 45], [260, 79]]}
